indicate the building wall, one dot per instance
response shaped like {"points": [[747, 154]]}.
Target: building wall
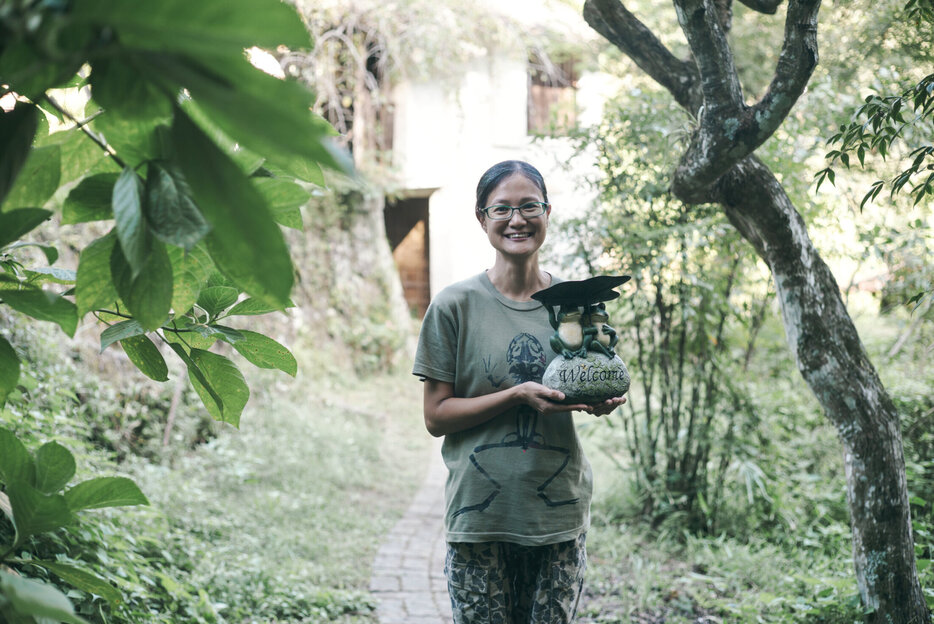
{"points": [[448, 132]]}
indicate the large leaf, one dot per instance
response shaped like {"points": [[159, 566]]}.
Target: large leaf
{"points": [[9, 370], [44, 306], [227, 380], [216, 299], [35, 512], [38, 180], [245, 242], [15, 223], [55, 466], [120, 331], [198, 28], [104, 492], [81, 579], [148, 296], [94, 288], [202, 385], [135, 140], [17, 129], [145, 355], [91, 200], [269, 116], [34, 599], [16, 463], [265, 352], [285, 199], [191, 271], [253, 307], [122, 88], [170, 210], [80, 155], [130, 223]]}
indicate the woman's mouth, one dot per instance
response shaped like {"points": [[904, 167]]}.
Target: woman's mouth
{"points": [[519, 235]]}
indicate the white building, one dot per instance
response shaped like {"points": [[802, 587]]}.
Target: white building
{"points": [[446, 134]]}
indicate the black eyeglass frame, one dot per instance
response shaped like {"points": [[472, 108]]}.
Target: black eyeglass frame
{"points": [[543, 208]]}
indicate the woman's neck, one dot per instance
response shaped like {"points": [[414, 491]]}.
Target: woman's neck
{"points": [[518, 281]]}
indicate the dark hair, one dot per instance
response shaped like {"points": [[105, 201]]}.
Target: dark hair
{"points": [[500, 171]]}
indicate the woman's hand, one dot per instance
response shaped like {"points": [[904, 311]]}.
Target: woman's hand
{"points": [[604, 408], [545, 400]]}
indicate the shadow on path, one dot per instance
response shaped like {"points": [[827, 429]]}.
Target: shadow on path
{"points": [[408, 570]]}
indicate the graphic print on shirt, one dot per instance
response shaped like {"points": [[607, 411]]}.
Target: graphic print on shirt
{"points": [[491, 370], [525, 358]]}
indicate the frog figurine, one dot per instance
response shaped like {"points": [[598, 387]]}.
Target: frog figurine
{"points": [[568, 339], [604, 337]]}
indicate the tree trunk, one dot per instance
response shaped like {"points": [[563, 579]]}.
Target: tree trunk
{"points": [[719, 166], [831, 358]]}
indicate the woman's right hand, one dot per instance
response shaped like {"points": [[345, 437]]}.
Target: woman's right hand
{"points": [[545, 400]]}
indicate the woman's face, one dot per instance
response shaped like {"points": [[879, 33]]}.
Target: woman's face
{"points": [[518, 236]]}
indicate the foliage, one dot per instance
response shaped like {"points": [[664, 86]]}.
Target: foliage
{"points": [[196, 157], [680, 323]]}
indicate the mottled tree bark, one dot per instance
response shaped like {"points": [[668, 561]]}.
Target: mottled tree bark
{"points": [[719, 166]]}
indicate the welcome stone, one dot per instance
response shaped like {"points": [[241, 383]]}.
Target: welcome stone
{"points": [[589, 379]]}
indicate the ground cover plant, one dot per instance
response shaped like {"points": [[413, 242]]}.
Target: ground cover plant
{"points": [[276, 522]]}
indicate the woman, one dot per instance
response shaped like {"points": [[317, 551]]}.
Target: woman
{"points": [[518, 490]]}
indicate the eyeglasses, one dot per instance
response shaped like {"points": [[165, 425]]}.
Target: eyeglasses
{"points": [[528, 210]]}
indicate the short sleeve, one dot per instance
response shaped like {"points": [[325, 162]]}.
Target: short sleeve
{"points": [[436, 354]]}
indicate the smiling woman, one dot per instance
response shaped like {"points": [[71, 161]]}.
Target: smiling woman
{"points": [[518, 495]]}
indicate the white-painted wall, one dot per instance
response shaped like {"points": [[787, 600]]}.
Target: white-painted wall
{"points": [[447, 133]]}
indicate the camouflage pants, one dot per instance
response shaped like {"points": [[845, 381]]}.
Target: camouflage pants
{"points": [[503, 583]]}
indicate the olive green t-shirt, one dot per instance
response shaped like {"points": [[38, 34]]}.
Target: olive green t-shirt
{"points": [[520, 477]]}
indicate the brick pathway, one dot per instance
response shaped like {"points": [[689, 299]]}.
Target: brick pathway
{"points": [[408, 571]]}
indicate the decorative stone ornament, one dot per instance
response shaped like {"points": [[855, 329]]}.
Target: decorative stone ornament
{"points": [[587, 369]]}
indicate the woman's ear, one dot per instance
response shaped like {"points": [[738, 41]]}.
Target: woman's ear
{"points": [[480, 218]]}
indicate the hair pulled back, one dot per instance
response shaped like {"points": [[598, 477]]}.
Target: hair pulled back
{"points": [[500, 171]]}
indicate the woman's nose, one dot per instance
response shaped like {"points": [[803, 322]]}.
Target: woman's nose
{"points": [[517, 218]]}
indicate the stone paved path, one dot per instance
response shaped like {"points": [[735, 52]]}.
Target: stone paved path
{"points": [[408, 570]]}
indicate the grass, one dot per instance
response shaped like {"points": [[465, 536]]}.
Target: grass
{"points": [[282, 518]]}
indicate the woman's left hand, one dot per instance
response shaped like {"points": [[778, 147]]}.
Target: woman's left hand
{"points": [[604, 408]]}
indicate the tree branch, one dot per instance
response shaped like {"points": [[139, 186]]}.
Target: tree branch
{"points": [[725, 136], [611, 19], [700, 21], [763, 6]]}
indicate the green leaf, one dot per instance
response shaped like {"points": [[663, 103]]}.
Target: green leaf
{"points": [[265, 352], [130, 224], [227, 334], [91, 200], [80, 155], [9, 371], [252, 307], [31, 598], [15, 223], [135, 140], [245, 243], [38, 180], [923, 564], [145, 355], [191, 271], [170, 210], [285, 199], [51, 253], [104, 492], [199, 28], [44, 306], [148, 296], [267, 115], [94, 288], [55, 466], [227, 380], [17, 130], [209, 397], [122, 88], [34, 512], [216, 299], [120, 331], [16, 463], [81, 579]]}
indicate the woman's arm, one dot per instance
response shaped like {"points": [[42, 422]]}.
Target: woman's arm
{"points": [[446, 413]]}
